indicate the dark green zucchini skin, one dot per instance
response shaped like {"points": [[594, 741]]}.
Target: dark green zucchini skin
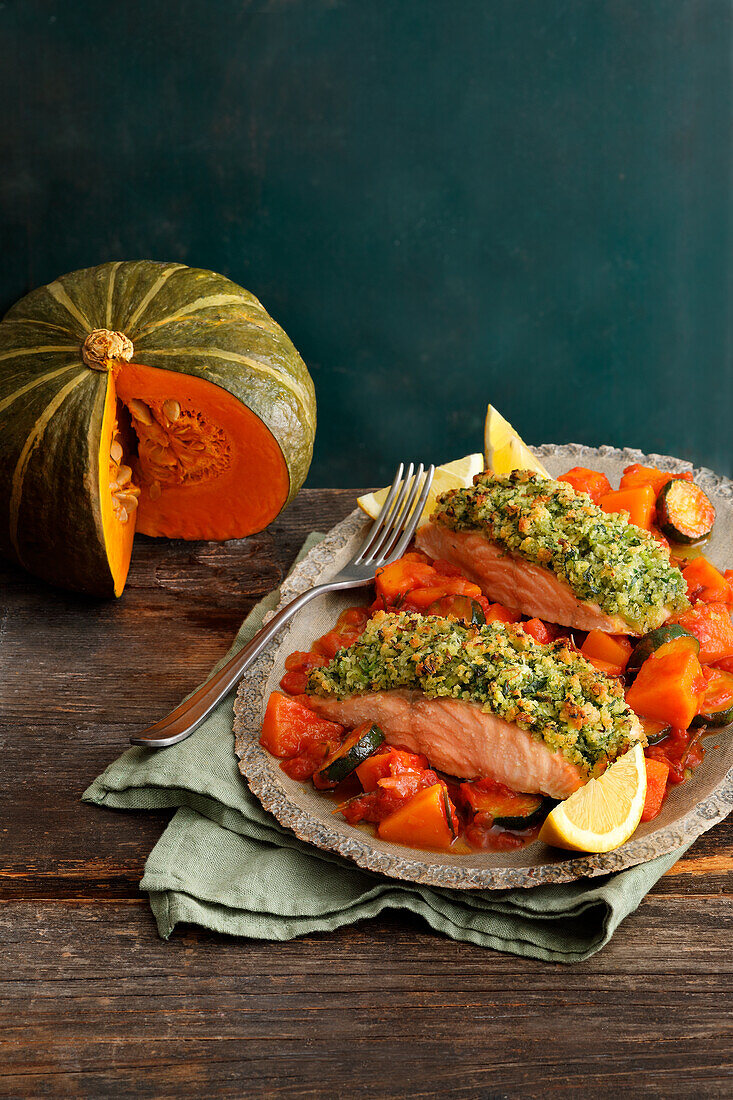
{"points": [[669, 512], [652, 641], [349, 756], [526, 821], [655, 731], [714, 718]]}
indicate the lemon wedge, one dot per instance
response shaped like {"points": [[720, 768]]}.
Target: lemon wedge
{"points": [[453, 475], [602, 815], [504, 449]]}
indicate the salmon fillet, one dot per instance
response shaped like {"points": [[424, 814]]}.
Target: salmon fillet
{"points": [[459, 738], [516, 583], [539, 547]]}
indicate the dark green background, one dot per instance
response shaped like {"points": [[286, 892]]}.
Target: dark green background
{"points": [[444, 203]]}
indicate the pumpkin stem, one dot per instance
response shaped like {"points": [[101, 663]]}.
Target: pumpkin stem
{"points": [[104, 347]]}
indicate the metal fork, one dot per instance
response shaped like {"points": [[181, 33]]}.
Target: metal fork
{"points": [[386, 540]]}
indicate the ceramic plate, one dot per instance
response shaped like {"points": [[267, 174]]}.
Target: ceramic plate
{"points": [[697, 805]]}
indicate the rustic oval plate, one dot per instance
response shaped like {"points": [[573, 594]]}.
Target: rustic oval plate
{"points": [[690, 810]]}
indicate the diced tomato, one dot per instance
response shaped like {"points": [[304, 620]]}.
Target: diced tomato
{"points": [[635, 476], [639, 503], [705, 582], [497, 613], [725, 663], [610, 649], [394, 581], [587, 481], [427, 820], [421, 598], [668, 687], [681, 751], [539, 630], [353, 618], [389, 779], [329, 644], [306, 763], [290, 727], [711, 624], [304, 662], [295, 682], [657, 773]]}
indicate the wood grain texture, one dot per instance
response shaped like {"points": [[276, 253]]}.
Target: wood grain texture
{"points": [[92, 1003]]}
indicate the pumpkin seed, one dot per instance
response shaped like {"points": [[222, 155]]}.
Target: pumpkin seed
{"points": [[115, 451], [140, 411], [124, 474], [126, 501], [121, 515], [155, 490], [172, 409]]}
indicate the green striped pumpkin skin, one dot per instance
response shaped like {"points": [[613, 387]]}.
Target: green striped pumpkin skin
{"points": [[179, 318]]}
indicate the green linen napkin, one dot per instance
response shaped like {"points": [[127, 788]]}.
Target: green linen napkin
{"points": [[225, 863]]}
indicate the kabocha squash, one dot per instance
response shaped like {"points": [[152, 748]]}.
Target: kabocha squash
{"points": [[143, 396]]}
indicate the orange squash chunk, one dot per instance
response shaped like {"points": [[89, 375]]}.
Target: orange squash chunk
{"points": [[422, 822], [668, 687], [639, 503], [613, 649]]}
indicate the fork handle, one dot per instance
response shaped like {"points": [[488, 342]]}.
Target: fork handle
{"points": [[189, 714]]}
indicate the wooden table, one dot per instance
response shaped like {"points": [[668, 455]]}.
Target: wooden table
{"points": [[95, 1004]]}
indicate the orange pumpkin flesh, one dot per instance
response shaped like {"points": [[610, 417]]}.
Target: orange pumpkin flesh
{"points": [[229, 478], [215, 471], [118, 535]]}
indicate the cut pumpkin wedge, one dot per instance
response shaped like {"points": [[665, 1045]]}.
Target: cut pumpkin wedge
{"points": [[604, 813]]}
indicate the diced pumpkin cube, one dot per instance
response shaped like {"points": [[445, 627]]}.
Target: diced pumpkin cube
{"points": [[668, 687], [639, 503], [614, 649], [423, 821], [705, 582], [497, 613]]}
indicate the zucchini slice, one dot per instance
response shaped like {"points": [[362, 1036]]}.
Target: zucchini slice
{"points": [[352, 752], [654, 640], [655, 731], [458, 607], [510, 810], [684, 512], [716, 708]]}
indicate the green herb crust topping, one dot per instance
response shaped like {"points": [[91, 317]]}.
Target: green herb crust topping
{"points": [[548, 690], [605, 559]]}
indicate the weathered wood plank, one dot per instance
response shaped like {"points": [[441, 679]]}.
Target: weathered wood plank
{"points": [[98, 989]]}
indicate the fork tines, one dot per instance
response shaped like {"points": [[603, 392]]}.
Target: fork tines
{"points": [[400, 514]]}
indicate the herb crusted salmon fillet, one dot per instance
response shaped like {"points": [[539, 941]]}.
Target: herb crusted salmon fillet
{"points": [[539, 547], [479, 701]]}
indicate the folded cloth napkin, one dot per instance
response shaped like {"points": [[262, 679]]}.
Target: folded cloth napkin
{"points": [[225, 863]]}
